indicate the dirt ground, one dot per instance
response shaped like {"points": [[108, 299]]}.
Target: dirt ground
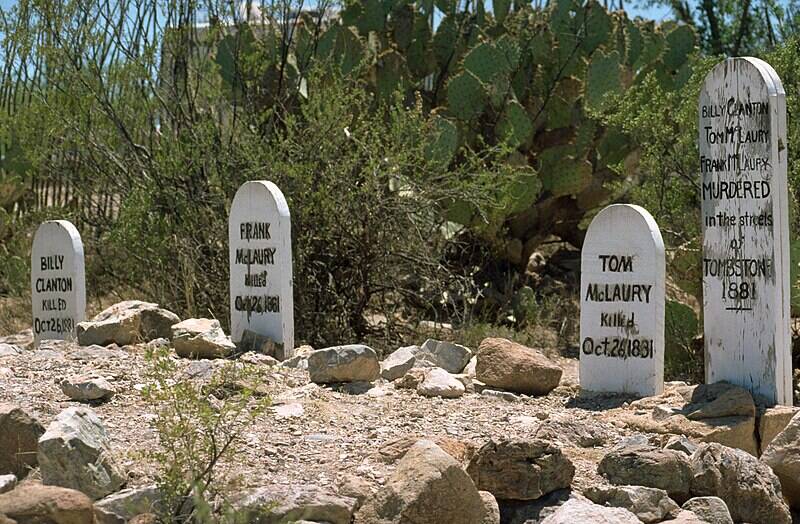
{"points": [[311, 434]]}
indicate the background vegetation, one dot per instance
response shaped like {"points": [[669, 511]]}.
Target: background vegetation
{"points": [[429, 150]]}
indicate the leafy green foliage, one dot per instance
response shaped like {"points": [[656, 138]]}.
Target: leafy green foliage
{"points": [[378, 127], [681, 358], [200, 426]]}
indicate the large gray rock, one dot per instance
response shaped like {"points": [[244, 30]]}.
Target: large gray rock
{"points": [[491, 510], [398, 362], [717, 400], [352, 363], [75, 453], [440, 383], [649, 504], [719, 412], [201, 338], [644, 465], [520, 469], [427, 487], [122, 506], [783, 456], [771, 421], [580, 510], [442, 354], [19, 437], [681, 443], [38, 504], [507, 365], [9, 350], [685, 517], [710, 509], [750, 489], [126, 323], [84, 388], [284, 504]]}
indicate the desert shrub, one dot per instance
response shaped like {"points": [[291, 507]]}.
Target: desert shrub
{"points": [[155, 137], [365, 197], [200, 427]]}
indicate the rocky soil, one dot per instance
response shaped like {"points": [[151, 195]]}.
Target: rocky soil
{"points": [[352, 437]]}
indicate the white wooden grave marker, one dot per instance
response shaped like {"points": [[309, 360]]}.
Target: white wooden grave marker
{"points": [[622, 303], [259, 232], [58, 281], [742, 110]]}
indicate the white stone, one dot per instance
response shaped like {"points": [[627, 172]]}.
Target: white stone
{"points": [[743, 159], [577, 510], [504, 395], [469, 370], [398, 362], [7, 482], [260, 237], [86, 387], [291, 410], [440, 383], [58, 281], [201, 338], [622, 303], [9, 350]]}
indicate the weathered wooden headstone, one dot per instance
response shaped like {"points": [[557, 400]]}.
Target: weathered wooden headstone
{"points": [[58, 281], [622, 303], [260, 238], [742, 132]]}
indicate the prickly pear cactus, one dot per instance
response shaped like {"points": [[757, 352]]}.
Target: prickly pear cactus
{"points": [[536, 80]]}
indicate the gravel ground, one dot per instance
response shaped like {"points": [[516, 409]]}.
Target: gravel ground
{"points": [[312, 434]]}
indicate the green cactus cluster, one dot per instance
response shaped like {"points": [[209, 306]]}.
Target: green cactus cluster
{"points": [[535, 81]]}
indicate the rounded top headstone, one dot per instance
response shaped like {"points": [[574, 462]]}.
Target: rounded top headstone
{"points": [[616, 216], [58, 282], [623, 275], [742, 143], [255, 191], [61, 227], [745, 66], [260, 236]]}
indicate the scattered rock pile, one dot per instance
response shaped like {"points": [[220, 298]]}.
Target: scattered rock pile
{"points": [[543, 454]]}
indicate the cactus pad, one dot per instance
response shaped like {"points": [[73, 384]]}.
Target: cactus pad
{"points": [[486, 62], [597, 28], [680, 42], [603, 80], [466, 96], [515, 125], [444, 141], [500, 9]]}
